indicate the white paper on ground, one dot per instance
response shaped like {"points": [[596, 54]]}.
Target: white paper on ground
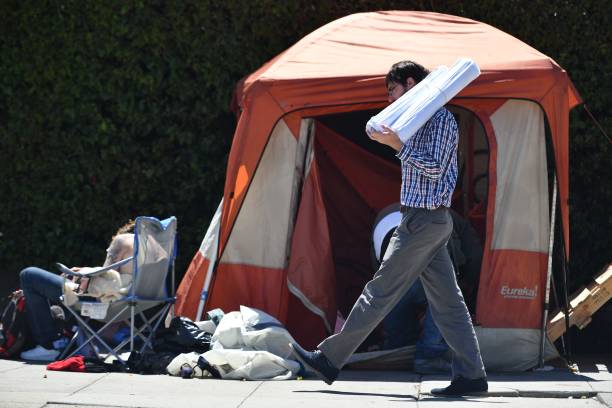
{"points": [[412, 110]]}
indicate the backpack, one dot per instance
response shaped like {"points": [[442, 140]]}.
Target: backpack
{"points": [[14, 329]]}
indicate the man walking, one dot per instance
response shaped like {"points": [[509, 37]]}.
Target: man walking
{"points": [[416, 250]]}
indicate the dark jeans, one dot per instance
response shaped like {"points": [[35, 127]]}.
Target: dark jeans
{"points": [[40, 287], [402, 326]]}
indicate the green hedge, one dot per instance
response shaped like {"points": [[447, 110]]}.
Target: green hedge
{"points": [[110, 110]]}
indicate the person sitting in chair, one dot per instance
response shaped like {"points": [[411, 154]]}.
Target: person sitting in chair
{"points": [[41, 287], [401, 326]]}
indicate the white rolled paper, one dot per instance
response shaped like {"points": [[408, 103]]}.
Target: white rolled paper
{"points": [[412, 110]]}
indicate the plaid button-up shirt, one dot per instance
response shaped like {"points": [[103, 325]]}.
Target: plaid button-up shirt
{"points": [[429, 163]]}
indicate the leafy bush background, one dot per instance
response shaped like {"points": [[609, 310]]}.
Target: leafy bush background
{"points": [[109, 110]]}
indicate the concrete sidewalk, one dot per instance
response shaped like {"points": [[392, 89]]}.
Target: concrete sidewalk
{"points": [[26, 385]]}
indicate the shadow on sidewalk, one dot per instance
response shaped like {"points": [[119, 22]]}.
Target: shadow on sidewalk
{"points": [[594, 363], [368, 394], [557, 374]]}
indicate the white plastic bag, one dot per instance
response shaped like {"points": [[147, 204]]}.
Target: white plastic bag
{"points": [[252, 329]]}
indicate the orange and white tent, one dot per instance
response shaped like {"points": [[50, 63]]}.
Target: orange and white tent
{"points": [[304, 183]]}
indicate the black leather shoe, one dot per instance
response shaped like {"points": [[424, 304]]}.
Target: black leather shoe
{"points": [[317, 363], [462, 386]]}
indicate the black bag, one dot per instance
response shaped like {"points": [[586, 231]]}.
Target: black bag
{"points": [[183, 336], [14, 329], [149, 362]]}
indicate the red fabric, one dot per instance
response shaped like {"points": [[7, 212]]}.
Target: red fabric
{"points": [[512, 285], [189, 291], [346, 183], [21, 304], [306, 327], [375, 181], [253, 286], [356, 185], [76, 363], [311, 265]]}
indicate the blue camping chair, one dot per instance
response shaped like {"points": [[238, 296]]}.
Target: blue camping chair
{"points": [[152, 286]]}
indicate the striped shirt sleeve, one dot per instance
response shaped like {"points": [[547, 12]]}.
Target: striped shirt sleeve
{"points": [[430, 152]]}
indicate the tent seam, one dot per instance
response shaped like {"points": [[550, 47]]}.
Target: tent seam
{"points": [[309, 305]]}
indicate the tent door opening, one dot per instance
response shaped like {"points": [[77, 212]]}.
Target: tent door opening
{"points": [[360, 177]]}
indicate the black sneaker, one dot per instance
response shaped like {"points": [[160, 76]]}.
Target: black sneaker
{"points": [[462, 386], [316, 362]]}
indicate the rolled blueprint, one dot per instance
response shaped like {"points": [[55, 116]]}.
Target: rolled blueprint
{"points": [[412, 110]]}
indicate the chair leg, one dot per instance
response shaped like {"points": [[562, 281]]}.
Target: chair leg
{"points": [[136, 333], [69, 345], [157, 318], [94, 335], [149, 324], [131, 327]]}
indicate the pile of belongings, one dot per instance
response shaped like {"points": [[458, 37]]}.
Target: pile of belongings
{"points": [[413, 109], [243, 345], [247, 345], [181, 336]]}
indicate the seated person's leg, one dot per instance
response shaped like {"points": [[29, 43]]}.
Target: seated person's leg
{"points": [[40, 286], [431, 344], [432, 354], [401, 325]]}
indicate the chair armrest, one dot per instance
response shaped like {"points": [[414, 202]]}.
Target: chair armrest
{"points": [[93, 271]]}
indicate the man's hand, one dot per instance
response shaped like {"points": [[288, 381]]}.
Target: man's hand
{"points": [[387, 137]]}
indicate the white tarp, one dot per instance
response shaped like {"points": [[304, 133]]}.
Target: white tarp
{"points": [[252, 329], [503, 350], [248, 344], [238, 365], [512, 349], [412, 110]]}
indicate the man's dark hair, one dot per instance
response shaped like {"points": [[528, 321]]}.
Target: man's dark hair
{"points": [[403, 70]]}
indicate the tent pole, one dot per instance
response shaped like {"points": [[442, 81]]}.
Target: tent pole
{"points": [[601, 129], [566, 306], [211, 266], [209, 274], [551, 242], [204, 295], [558, 305]]}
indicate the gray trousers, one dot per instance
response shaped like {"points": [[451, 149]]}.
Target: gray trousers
{"points": [[417, 249]]}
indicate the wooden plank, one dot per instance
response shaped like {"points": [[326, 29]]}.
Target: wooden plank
{"points": [[583, 305]]}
